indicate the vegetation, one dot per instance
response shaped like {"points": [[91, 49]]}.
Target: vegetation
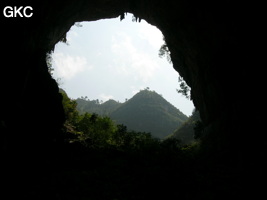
{"points": [[102, 160], [49, 63], [125, 164], [95, 106], [97, 132], [184, 88], [165, 52], [147, 111], [190, 130]]}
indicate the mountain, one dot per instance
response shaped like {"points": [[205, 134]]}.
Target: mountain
{"points": [[186, 132], [146, 111], [104, 109]]}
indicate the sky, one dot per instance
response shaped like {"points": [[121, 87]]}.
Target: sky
{"points": [[113, 59]]}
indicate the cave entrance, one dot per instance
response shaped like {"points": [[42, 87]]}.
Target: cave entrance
{"points": [[113, 59]]}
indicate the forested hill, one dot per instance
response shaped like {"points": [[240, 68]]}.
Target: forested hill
{"points": [[146, 111], [186, 133], [94, 106]]}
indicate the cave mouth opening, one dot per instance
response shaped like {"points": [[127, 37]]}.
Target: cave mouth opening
{"points": [[115, 59], [112, 59], [209, 43]]}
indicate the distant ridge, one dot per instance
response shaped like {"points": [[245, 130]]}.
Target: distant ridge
{"points": [[147, 111], [94, 106], [185, 133]]}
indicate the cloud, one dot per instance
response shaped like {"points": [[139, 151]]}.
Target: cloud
{"points": [[72, 34], [131, 60], [144, 66], [105, 97], [67, 66], [152, 34], [136, 89]]}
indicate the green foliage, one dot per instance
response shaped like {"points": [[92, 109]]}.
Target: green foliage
{"points": [[184, 88], [69, 106], [95, 106], [147, 111], [131, 140], [100, 132], [95, 131], [49, 63], [165, 52], [71, 114], [102, 156], [190, 130]]}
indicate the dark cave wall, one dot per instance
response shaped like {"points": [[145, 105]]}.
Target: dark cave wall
{"points": [[207, 43]]}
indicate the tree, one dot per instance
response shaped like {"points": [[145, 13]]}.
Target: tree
{"points": [[95, 131], [184, 88], [69, 128], [49, 63], [164, 51], [69, 106]]}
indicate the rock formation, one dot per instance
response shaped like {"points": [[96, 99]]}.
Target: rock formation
{"points": [[211, 45]]}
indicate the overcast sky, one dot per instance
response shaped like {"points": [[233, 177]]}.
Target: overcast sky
{"points": [[113, 59]]}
